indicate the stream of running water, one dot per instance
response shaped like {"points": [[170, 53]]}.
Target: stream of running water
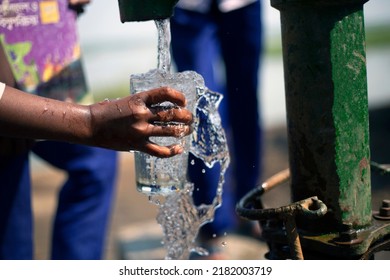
{"points": [[178, 216]]}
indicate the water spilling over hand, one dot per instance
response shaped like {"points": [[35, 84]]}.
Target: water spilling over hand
{"points": [[126, 124]]}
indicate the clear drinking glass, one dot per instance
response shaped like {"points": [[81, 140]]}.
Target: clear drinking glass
{"points": [[165, 175]]}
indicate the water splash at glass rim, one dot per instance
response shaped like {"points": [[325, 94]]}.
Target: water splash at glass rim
{"points": [[208, 137]]}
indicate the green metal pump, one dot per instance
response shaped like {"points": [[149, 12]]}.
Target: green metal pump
{"points": [[325, 73], [143, 10]]}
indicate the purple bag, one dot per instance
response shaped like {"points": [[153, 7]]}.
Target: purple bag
{"points": [[41, 43]]}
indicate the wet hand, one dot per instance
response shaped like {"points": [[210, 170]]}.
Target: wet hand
{"points": [[128, 123]]}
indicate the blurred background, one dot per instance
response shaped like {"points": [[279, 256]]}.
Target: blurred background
{"points": [[113, 51]]}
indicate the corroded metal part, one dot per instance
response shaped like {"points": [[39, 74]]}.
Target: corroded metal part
{"points": [[143, 10], [310, 208]]}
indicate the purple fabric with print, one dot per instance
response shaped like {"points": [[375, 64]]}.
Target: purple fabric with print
{"points": [[41, 43]]}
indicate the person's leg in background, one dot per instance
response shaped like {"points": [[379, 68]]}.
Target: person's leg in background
{"points": [[85, 200], [241, 40], [195, 47], [16, 218]]}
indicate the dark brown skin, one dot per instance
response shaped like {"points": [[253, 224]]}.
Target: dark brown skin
{"points": [[123, 124]]}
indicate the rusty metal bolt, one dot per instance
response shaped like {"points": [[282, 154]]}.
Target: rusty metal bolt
{"points": [[384, 211], [347, 236]]}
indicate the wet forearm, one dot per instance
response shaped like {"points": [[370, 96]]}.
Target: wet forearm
{"points": [[29, 116]]}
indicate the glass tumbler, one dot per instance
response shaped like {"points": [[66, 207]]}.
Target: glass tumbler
{"points": [[161, 176]]}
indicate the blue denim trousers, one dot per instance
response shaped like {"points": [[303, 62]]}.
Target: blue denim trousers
{"points": [[83, 208], [225, 48]]}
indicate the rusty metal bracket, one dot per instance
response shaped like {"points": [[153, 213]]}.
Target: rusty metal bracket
{"points": [[310, 208]]}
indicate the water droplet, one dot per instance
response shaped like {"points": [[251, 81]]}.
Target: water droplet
{"points": [[203, 171], [214, 235], [192, 162], [154, 200]]}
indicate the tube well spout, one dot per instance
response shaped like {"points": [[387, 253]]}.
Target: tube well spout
{"points": [[143, 10]]}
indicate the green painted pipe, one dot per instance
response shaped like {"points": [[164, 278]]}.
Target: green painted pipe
{"points": [[143, 10], [327, 108]]}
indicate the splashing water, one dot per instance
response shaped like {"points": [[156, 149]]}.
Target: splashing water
{"points": [[178, 216]]}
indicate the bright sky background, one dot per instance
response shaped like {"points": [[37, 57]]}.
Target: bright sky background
{"points": [[101, 21], [113, 51]]}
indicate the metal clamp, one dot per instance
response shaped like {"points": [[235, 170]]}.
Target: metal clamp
{"points": [[311, 208]]}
